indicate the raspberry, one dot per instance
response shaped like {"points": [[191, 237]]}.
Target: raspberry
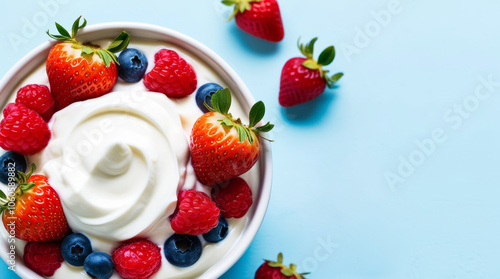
{"points": [[44, 258], [195, 214], [140, 259], [233, 199], [171, 75], [22, 130], [38, 98]]}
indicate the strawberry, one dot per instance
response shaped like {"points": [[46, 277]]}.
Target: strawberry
{"points": [[171, 75], [33, 211], [233, 199], [195, 214], [260, 18], [277, 270], [22, 130], [38, 98], [221, 147], [81, 71], [303, 79]]}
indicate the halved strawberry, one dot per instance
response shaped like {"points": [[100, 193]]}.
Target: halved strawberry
{"points": [[80, 71], [34, 211], [222, 147]]}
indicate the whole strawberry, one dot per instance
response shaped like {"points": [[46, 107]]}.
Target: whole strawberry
{"points": [[260, 18], [303, 79], [44, 258], [195, 214], [81, 71], [171, 75], [222, 147], [234, 198], [277, 270], [37, 214], [37, 97], [22, 130]]}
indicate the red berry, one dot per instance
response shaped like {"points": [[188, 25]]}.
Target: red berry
{"points": [[44, 258], [233, 199], [263, 20], [38, 98], [195, 214], [140, 259], [303, 79], [277, 270], [22, 130], [171, 75]]}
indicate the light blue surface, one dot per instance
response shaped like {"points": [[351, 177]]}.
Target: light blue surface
{"points": [[397, 110]]}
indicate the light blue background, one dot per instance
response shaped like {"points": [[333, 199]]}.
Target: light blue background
{"points": [[332, 210]]}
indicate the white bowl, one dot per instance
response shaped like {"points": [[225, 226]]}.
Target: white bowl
{"points": [[152, 32]]}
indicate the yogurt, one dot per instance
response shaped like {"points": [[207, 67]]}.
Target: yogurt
{"points": [[118, 161]]}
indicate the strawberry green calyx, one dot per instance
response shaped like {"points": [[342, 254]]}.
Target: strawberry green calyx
{"points": [[325, 58], [240, 6], [221, 102], [107, 55], [286, 270], [23, 186]]}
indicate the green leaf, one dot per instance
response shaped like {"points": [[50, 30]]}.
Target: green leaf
{"points": [[280, 257], [266, 128], [287, 272], [257, 113], [2, 195], [227, 122], [228, 2], [327, 56], [62, 31], [249, 135], [310, 48], [87, 50], [311, 64], [336, 77], [241, 133], [104, 56], [76, 26], [272, 264], [56, 37], [119, 43], [221, 101]]}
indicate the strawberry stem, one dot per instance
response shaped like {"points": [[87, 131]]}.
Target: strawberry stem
{"points": [[23, 186], [240, 6], [221, 102], [288, 271]]}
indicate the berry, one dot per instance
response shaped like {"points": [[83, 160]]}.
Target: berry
{"points": [[38, 98], [303, 79], [140, 259], [171, 75], [182, 250], [277, 270], [222, 147], [204, 95], [133, 65], [22, 130], [11, 163], [233, 199], [75, 248], [260, 18], [79, 72], [44, 258], [218, 233], [99, 265], [195, 214], [37, 210]]}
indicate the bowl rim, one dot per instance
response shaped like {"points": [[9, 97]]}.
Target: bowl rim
{"points": [[21, 69]]}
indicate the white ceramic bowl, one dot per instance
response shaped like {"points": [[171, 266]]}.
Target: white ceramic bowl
{"points": [[152, 32]]}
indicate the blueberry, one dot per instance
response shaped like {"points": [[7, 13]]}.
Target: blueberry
{"points": [[99, 265], [218, 233], [11, 162], [133, 65], [182, 250], [75, 248], [204, 94]]}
